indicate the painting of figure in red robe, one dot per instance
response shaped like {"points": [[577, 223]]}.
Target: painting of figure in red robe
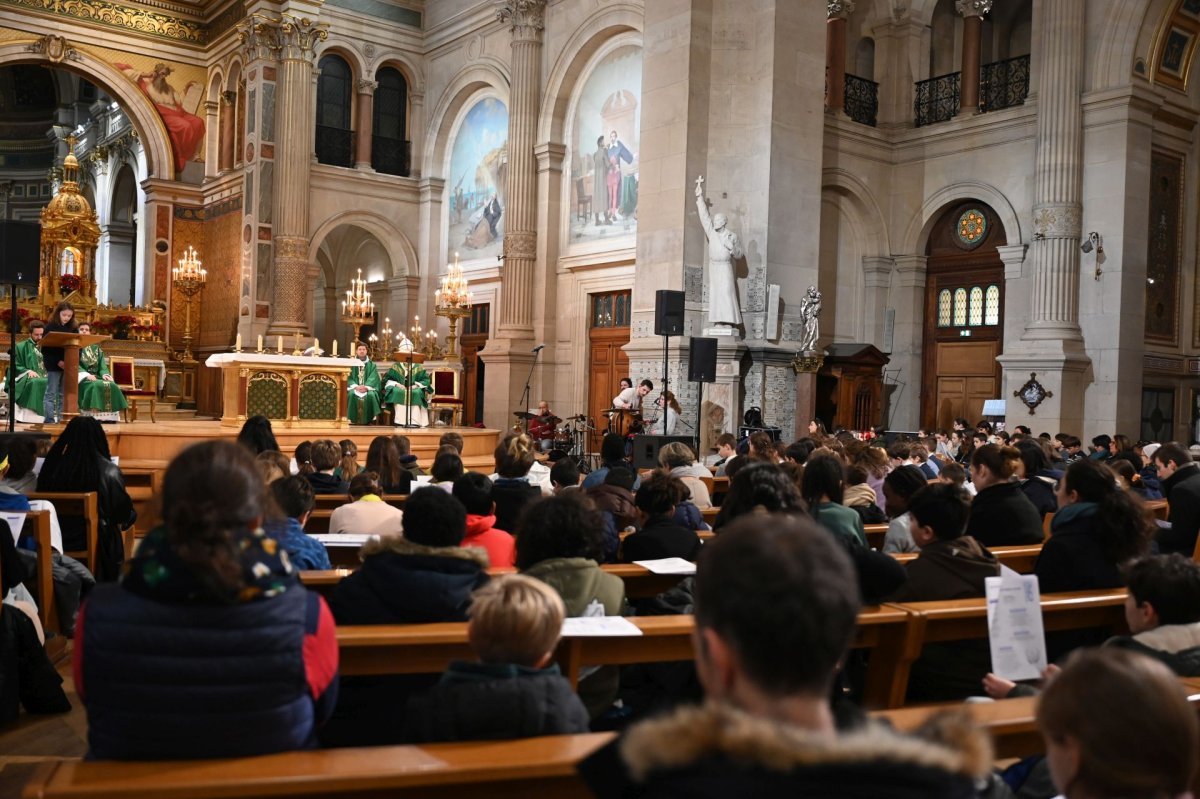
{"points": [[184, 127]]}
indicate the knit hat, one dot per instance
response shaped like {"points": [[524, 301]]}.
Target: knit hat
{"points": [[1150, 449]]}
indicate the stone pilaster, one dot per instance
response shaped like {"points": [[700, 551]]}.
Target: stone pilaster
{"points": [[212, 144], [366, 124], [877, 280], [972, 12], [837, 12], [228, 134], [899, 46], [903, 407]]}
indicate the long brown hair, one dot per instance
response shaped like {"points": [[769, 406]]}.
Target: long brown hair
{"points": [[1000, 460], [384, 459], [349, 464], [58, 309]]}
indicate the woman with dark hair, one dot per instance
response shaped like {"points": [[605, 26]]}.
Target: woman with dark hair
{"points": [[447, 467], [898, 487], [257, 436], [303, 457], [61, 321], [875, 461], [1123, 466], [660, 536], [512, 489], [1098, 527], [384, 459], [348, 466], [762, 448], [1120, 443], [1001, 514], [80, 461], [209, 615], [822, 487], [1035, 477], [612, 453]]}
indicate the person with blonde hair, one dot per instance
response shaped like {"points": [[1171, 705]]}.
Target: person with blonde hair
{"points": [[513, 487], [515, 690], [1118, 724]]}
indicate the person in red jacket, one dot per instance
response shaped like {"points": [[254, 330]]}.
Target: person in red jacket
{"points": [[474, 491]]}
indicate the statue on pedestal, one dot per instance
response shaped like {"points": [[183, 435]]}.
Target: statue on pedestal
{"points": [[810, 311], [723, 247]]}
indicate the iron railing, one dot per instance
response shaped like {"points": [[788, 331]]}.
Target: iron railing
{"points": [[861, 99], [335, 146], [937, 99], [1004, 84], [391, 156]]}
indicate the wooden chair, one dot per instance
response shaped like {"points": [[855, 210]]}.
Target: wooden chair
{"points": [[84, 505], [37, 524], [447, 394], [123, 374]]}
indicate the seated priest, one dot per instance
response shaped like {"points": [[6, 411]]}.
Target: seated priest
{"points": [[402, 387], [30, 373], [364, 388], [99, 396]]}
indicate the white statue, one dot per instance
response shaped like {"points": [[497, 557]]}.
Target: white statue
{"points": [[723, 247], [810, 311]]}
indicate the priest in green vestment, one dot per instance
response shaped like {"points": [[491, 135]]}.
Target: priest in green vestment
{"points": [[403, 389], [99, 396], [364, 388], [30, 377]]}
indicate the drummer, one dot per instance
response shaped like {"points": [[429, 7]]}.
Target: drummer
{"points": [[631, 397], [541, 426]]}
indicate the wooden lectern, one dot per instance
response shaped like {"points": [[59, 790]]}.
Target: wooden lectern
{"points": [[70, 342]]}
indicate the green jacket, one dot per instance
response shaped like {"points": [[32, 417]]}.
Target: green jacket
{"points": [[843, 522]]}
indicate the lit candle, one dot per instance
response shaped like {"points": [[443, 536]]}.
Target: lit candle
{"points": [[335, 348], [316, 346], [260, 342], [280, 344], [238, 345]]}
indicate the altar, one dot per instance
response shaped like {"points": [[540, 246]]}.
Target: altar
{"points": [[290, 390]]}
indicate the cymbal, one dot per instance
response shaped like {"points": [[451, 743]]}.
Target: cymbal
{"points": [[577, 418], [524, 415], [551, 419]]}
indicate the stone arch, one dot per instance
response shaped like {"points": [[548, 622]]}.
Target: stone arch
{"points": [[917, 234], [859, 197], [1131, 30], [233, 74], [399, 248], [471, 84], [411, 72], [149, 126], [343, 50], [577, 56], [216, 84]]}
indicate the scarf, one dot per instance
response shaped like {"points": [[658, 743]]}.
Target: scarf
{"points": [[1076, 510]]}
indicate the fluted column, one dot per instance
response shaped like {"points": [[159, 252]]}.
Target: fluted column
{"points": [[1057, 210], [972, 12], [366, 123], [212, 144], [837, 12], [526, 19], [293, 122], [228, 135]]}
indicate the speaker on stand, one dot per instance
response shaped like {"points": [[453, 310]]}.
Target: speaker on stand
{"points": [[20, 245], [668, 321], [702, 368]]}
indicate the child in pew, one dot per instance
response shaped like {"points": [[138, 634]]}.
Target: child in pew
{"points": [[660, 536], [294, 499], [950, 566], [474, 491], [514, 691]]}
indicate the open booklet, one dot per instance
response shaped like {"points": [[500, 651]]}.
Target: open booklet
{"points": [[1015, 632]]}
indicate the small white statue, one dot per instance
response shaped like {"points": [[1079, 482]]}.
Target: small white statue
{"points": [[723, 247], [810, 311]]}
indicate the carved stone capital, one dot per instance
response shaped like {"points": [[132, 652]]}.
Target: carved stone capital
{"points": [[259, 36], [1057, 221], [520, 244], [366, 86], [298, 37], [291, 248], [973, 8], [229, 97], [839, 9], [526, 18]]}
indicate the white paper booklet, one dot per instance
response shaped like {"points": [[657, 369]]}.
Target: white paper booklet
{"points": [[344, 539], [15, 522], [1015, 632], [599, 627], [667, 566]]}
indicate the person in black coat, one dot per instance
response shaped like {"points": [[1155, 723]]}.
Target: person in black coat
{"points": [[514, 691], [1037, 480], [62, 321], [660, 537], [1181, 483], [1001, 514], [421, 578], [326, 455], [512, 490]]}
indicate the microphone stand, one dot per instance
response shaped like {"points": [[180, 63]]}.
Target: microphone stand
{"points": [[525, 394]]}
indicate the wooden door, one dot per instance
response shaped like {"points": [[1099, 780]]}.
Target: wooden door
{"points": [[474, 338], [964, 316], [607, 361]]}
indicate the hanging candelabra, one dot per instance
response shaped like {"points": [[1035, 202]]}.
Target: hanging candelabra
{"points": [[189, 277], [452, 301], [357, 308]]}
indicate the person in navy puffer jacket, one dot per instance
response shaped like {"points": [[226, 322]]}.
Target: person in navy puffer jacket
{"points": [[209, 646]]}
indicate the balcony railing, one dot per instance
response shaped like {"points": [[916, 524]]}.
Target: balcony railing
{"points": [[937, 99], [391, 156], [861, 99], [335, 146], [1004, 84]]}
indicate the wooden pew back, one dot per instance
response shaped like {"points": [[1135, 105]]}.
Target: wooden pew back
{"points": [[85, 505]]}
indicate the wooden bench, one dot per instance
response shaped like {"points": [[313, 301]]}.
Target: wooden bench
{"points": [[84, 505], [876, 533], [1020, 558], [37, 524], [144, 486]]}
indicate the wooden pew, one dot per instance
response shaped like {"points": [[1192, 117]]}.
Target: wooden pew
{"points": [[144, 486], [70, 505], [37, 523], [1159, 508], [875, 535], [1018, 558]]}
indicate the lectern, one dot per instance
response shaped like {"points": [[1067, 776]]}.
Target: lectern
{"points": [[70, 343]]}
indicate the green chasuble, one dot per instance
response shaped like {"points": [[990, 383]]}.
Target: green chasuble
{"points": [[396, 381], [99, 394], [30, 390], [363, 408]]}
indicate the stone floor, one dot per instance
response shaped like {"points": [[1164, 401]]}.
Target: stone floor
{"points": [[35, 739]]}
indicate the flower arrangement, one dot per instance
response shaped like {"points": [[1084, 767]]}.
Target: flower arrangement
{"points": [[124, 320], [68, 283], [99, 327], [7, 318]]}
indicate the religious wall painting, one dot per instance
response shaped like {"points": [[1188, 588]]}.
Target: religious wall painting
{"points": [[604, 149], [476, 186], [178, 103], [1164, 245]]}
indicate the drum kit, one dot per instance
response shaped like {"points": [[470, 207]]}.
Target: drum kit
{"points": [[566, 441]]}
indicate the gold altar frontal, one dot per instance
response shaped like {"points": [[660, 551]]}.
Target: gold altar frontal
{"points": [[293, 391]]}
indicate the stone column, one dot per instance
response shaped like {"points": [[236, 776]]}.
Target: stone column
{"points": [[899, 47], [837, 12], [212, 144], [877, 280], [366, 124], [228, 133], [972, 12], [903, 406], [294, 123]]}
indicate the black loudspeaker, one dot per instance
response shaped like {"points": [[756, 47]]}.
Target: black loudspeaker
{"points": [[20, 245], [702, 360], [668, 313], [645, 449]]}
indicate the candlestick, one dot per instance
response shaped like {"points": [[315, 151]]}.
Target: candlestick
{"points": [[260, 342], [335, 348], [237, 346], [316, 346], [281, 345]]}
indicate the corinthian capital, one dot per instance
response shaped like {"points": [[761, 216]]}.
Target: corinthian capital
{"points": [[527, 18], [839, 9], [298, 37], [973, 8]]}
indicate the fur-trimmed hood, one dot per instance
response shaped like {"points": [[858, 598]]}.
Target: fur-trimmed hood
{"points": [[715, 750]]}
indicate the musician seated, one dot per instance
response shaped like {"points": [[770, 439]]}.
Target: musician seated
{"points": [[541, 426]]}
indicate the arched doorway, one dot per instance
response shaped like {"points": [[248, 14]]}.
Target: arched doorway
{"points": [[964, 314], [339, 256], [121, 240]]}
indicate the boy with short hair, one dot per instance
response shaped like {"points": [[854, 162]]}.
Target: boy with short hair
{"points": [[514, 691], [294, 496]]}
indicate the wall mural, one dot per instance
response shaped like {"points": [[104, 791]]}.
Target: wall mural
{"points": [[478, 181], [604, 144], [176, 107]]}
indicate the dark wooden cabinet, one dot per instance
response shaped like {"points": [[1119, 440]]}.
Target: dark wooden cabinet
{"points": [[850, 387]]}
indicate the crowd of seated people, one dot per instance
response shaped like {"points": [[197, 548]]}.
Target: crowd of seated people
{"points": [[775, 601]]}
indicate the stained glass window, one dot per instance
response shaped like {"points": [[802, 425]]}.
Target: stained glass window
{"points": [[976, 315], [960, 306], [991, 313], [611, 310], [943, 317]]}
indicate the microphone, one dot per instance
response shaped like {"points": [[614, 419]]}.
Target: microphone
{"points": [[538, 348]]}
